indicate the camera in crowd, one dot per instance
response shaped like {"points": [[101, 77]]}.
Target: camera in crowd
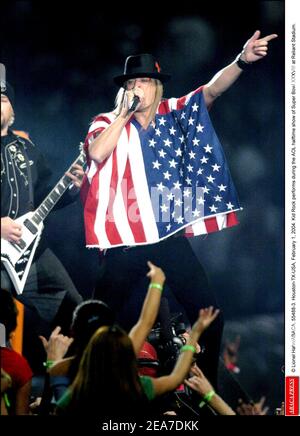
{"points": [[159, 355], [168, 344], [164, 341]]}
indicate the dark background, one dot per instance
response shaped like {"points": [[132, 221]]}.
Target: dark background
{"points": [[61, 62]]}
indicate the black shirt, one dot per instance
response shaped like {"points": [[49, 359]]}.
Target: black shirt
{"points": [[14, 176], [15, 198]]}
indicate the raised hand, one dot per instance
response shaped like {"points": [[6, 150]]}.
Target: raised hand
{"points": [[252, 408], [256, 48], [155, 273], [206, 317], [198, 382], [259, 407], [57, 345]]}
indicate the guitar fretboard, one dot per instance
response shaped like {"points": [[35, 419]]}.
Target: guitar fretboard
{"points": [[52, 198]]}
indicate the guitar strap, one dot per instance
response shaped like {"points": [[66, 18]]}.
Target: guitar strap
{"points": [[28, 169]]}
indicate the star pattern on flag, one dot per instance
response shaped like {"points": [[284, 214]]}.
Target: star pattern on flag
{"points": [[188, 167]]}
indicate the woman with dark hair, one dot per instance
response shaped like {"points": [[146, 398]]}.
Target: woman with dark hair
{"points": [[108, 384], [87, 318]]}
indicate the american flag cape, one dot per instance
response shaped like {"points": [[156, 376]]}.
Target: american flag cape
{"points": [[171, 177]]}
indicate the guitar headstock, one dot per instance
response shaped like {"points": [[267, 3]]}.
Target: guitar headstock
{"points": [[81, 144], [80, 160], [82, 157]]}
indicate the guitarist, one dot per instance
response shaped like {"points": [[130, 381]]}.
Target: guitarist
{"points": [[49, 289]]}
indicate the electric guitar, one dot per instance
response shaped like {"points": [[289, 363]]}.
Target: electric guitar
{"points": [[17, 257]]}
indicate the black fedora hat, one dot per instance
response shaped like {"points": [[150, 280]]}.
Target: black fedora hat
{"points": [[141, 65]]}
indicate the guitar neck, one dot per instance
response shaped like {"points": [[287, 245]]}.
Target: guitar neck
{"points": [[57, 192]]}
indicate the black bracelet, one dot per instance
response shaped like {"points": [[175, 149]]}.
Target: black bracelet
{"points": [[242, 64]]}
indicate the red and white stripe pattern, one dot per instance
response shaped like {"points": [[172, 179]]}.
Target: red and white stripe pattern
{"points": [[118, 188]]}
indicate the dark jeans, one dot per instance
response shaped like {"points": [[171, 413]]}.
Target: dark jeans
{"points": [[123, 268], [49, 291]]}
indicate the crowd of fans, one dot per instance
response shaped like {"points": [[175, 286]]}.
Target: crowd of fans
{"points": [[101, 371]]}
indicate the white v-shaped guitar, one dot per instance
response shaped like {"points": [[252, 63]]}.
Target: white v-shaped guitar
{"points": [[17, 258]]}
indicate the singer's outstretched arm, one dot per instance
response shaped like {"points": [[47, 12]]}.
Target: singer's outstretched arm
{"points": [[254, 50]]}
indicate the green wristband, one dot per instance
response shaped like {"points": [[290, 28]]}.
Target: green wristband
{"points": [[6, 400], [188, 348], [207, 398], [48, 363], [156, 285]]}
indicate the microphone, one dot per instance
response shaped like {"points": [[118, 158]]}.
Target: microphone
{"points": [[135, 102]]}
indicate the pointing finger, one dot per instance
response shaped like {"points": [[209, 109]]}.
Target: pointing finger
{"points": [[270, 37]]}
